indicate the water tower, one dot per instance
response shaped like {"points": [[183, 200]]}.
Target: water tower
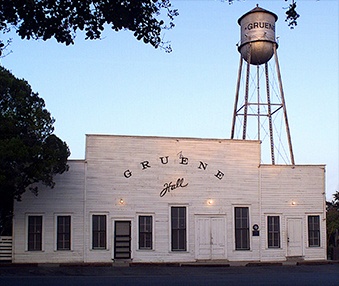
{"points": [[259, 90]]}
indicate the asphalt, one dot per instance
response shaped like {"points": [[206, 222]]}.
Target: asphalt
{"points": [[217, 263]]}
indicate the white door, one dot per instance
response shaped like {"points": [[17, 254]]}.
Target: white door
{"points": [[210, 238], [218, 238], [294, 237]]}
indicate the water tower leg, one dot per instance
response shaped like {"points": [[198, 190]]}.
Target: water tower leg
{"points": [[236, 98], [258, 101], [246, 92], [283, 103], [269, 114]]}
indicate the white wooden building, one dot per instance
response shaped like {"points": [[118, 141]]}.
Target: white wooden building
{"points": [[159, 199]]}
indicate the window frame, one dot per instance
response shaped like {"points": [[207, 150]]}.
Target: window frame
{"points": [[70, 233], [101, 233], [178, 231], [39, 234], [146, 233], [242, 230], [273, 235], [314, 239]]}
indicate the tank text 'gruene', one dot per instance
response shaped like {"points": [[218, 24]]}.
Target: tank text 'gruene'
{"points": [[261, 25]]}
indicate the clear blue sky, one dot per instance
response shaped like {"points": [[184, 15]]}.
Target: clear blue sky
{"points": [[121, 86]]}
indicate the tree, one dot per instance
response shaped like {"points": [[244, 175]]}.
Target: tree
{"points": [[61, 19], [29, 151], [332, 222]]}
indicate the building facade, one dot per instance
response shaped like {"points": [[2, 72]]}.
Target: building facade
{"points": [[160, 199]]}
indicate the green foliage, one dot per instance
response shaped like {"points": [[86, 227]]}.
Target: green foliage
{"points": [[29, 151], [61, 19], [292, 15], [332, 222]]}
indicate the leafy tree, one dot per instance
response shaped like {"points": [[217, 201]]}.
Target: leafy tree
{"points": [[61, 19], [292, 15], [332, 222], [29, 151]]}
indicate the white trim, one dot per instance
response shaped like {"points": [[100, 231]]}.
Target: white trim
{"points": [[138, 214], [170, 228], [302, 219], [42, 214], [131, 220], [320, 229], [249, 227], [266, 215], [55, 236], [91, 214]]}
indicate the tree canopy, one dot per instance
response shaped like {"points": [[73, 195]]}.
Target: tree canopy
{"points": [[29, 151], [61, 19], [332, 221]]}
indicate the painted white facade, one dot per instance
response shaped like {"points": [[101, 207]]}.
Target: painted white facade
{"points": [[125, 177]]}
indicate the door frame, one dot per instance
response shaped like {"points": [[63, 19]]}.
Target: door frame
{"points": [[114, 220], [210, 216], [302, 236]]}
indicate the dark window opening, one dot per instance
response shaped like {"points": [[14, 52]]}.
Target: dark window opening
{"points": [[35, 233], [242, 232], [99, 232], [145, 232], [273, 231], [63, 232], [313, 231], [178, 224]]}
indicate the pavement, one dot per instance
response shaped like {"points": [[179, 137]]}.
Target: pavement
{"points": [[216, 263], [177, 274]]}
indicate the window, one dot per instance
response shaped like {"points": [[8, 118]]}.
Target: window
{"points": [[63, 232], [273, 231], [242, 232], [313, 231], [34, 233], [145, 232], [178, 225], [99, 232]]}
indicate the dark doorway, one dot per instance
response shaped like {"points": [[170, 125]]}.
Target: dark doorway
{"points": [[122, 240]]}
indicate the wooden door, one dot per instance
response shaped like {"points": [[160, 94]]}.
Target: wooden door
{"points": [[218, 236], [294, 237], [210, 238]]}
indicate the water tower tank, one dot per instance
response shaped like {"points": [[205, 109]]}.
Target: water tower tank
{"points": [[257, 35]]}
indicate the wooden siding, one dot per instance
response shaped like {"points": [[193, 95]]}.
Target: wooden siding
{"points": [[138, 170], [66, 198], [293, 192], [108, 157]]}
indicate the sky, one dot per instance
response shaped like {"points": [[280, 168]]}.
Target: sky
{"points": [[120, 86]]}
